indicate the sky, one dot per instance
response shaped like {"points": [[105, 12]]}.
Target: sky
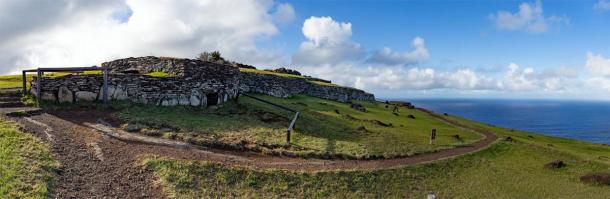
{"points": [[553, 49]]}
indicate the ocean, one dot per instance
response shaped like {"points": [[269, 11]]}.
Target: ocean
{"points": [[582, 120]]}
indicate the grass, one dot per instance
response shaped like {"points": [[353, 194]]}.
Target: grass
{"points": [[250, 70], [157, 74], [320, 130], [504, 170], [14, 81], [26, 166]]}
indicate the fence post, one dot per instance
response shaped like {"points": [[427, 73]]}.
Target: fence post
{"points": [[38, 86], [105, 89], [24, 79]]}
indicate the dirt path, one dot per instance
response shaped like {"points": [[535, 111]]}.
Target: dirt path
{"points": [[98, 166]]}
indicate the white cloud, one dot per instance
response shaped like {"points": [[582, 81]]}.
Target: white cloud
{"points": [[530, 18], [597, 65], [389, 57], [79, 33], [285, 13], [518, 80], [467, 79], [602, 5], [328, 42]]}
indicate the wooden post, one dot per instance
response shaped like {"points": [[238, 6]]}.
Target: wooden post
{"points": [[24, 79], [105, 88], [38, 86], [432, 136], [291, 126]]}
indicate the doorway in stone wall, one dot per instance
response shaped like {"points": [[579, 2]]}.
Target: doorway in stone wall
{"points": [[212, 98]]}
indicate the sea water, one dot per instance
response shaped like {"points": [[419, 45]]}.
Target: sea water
{"points": [[582, 120]]}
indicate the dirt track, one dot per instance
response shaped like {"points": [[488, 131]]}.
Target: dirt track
{"points": [[98, 166]]}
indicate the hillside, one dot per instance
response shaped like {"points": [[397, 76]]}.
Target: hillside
{"points": [[338, 150]]}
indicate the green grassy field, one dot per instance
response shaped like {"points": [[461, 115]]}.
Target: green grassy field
{"points": [[504, 170], [14, 81], [324, 128], [27, 169]]}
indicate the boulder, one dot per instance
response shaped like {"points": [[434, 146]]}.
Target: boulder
{"points": [[65, 95], [204, 101], [85, 96], [47, 96], [132, 128], [110, 93], [555, 164], [184, 100], [195, 99], [596, 179], [151, 132], [119, 93], [169, 102], [358, 107]]}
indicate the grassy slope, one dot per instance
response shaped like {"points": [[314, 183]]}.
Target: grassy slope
{"points": [[319, 129], [249, 70], [26, 166], [505, 170]]}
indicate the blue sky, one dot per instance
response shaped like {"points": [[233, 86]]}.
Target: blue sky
{"points": [[460, 33], [411, 49]]}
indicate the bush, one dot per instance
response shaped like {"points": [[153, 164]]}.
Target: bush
{"points": [[214, 56]]}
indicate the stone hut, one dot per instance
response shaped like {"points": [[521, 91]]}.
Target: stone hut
{"points": [[183, 82], [172, 81]]}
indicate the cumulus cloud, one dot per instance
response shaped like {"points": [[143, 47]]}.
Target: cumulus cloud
{"points": [[530, 18], [516, 79], [602, 5], [80, 33], [328, 42], [389, 57], [597, 65]]}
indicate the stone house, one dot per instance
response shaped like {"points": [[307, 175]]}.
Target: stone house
{"points": [[182, 82]]}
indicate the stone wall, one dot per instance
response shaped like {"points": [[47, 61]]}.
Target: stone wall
{"points": [[189, 82], [165, 91], [278, 86]]}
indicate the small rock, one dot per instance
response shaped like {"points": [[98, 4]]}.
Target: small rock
{"points": [[267, 116], [85, 96], [508, 139], [456, 137], [411, 116], [337, 111], [132, 128], [596, 179], [556, 164], [361, 128], [151, 132], [358, 107]]}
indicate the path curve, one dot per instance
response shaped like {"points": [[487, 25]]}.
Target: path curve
{"points": [[83, 127], [97, 165]]}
